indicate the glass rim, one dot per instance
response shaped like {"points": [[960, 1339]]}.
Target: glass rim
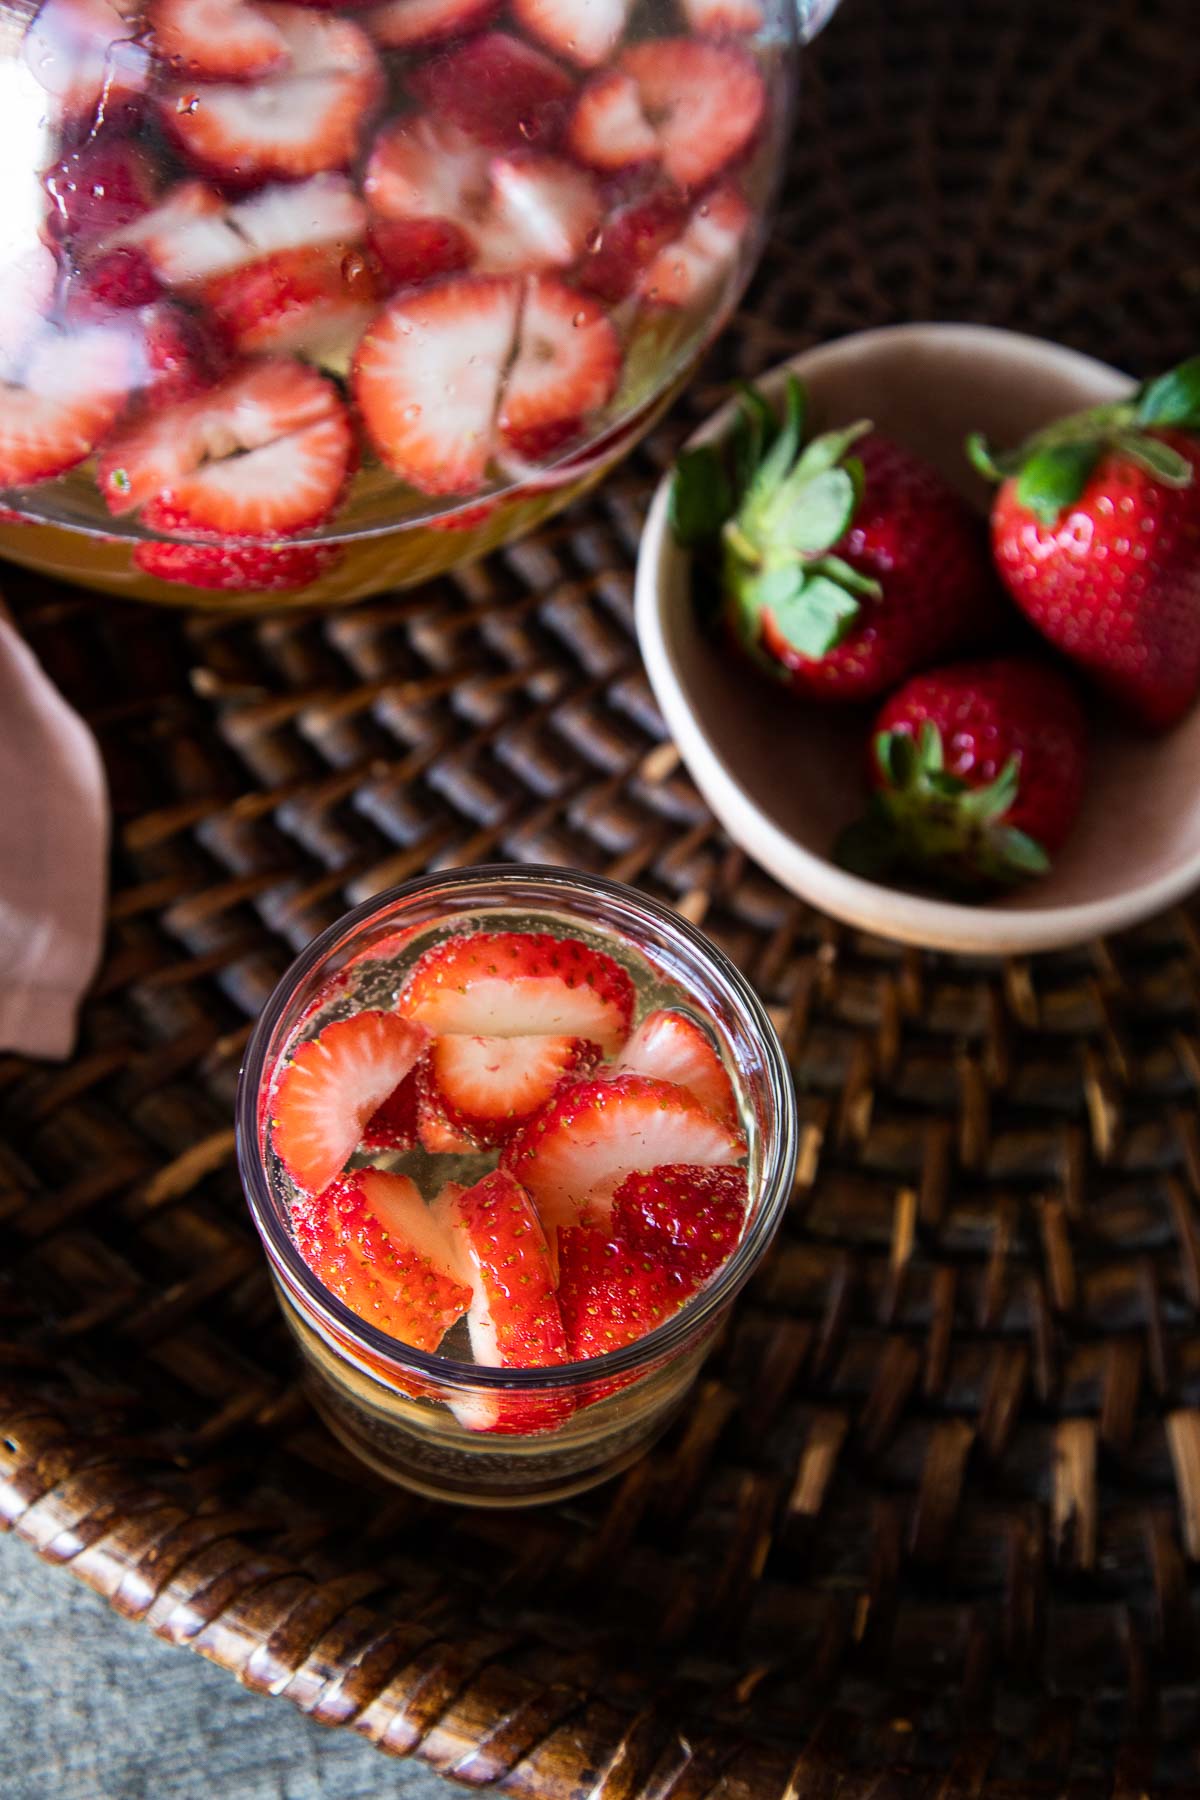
{"points": [[778, 1163]]}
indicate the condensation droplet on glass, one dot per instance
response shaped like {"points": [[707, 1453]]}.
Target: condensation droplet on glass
{"points": [[580, 318], [703, 209], [412, 411], [594, 239], [187, 103], [527, 128]]}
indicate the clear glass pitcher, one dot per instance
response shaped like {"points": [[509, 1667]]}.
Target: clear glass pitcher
{"points": [[313, 301]]}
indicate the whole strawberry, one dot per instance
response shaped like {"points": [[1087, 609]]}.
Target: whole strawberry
{"points": [[1096, 532], [978, 771], [841, 573]]}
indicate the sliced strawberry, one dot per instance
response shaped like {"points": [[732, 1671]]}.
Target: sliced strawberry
{"points": [[498, 89], [724, 18], [427, 168], [106, 184], [566, 367], [687, 1219], [211, 39], [685, 271], [298, 300], [542, 213], [671, 1047], [118, 281], [427, 376], [435, 1132], [705, 102], [411, 251], [608, 128], [632, 237], [579, 1150], [491, 1086], [237, 568], [393, 1126], [374, 1243], [64, 399], [307, 119], [585, 31], [173, 357], [331, 1085], [610, 1294], [403, 24], [194, 235], [519, 984], [264, 453], [89, 57], [513, 1321]]}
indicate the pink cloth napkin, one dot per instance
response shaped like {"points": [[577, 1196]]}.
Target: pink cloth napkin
{"points": [[53, 856]]}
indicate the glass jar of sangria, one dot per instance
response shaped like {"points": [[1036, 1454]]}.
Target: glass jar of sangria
{"points": [[312, 300], [513, 1138]]}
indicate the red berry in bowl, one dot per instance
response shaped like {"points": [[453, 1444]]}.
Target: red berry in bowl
{"points": [[978, 774], [1096, 533]]}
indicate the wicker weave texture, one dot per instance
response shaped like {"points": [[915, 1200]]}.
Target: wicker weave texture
{"points": [[933, 1524]]}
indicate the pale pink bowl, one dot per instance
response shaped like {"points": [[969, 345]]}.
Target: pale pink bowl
{"points": [[784, 776]]}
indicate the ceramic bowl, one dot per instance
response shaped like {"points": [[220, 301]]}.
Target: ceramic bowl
{"points": [[783, 775]]}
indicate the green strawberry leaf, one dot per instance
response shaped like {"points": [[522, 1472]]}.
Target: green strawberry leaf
{"points": [[701, 497], [826, 451], [1054, 477], [1161, 460], [993, 465], [782, 454], [754, 432], [848, 577], [1172, 399], [807, 516], [814, 615], [897, 756], [987, 804], [1014, 855]]}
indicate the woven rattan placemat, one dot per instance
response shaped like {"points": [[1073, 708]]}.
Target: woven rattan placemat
{"points": [[933, 1524]]}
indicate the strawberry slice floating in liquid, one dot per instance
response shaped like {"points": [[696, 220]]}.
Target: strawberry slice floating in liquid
{"points": [[263, 454], [704, 101], [427, 379], [514, 1319], [214, 39], [671, 1047], [608, 128], [724, 18], [375, 1244], [312, 300], [331, 1086], [60, 400], [501, 91], [87, 55], [105, 184], [491, 1086], [308, 118], [584, 31], [566, 367], [688, 1219], [632, 237], [580, 1148], [520, 984], [685, 271]]}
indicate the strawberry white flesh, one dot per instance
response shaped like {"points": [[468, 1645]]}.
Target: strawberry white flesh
{"points": [[542, 212], [566, 366], [86, 55], [194, 235], [307, 119], [608, 128], [263, 453], [402, 24], [519, 984], [492, 1085], [705, 102], [329, 1088], [686, 271], [26, 296], [584, 31], [427, 377], [215, 38], [69, 391], [425, 168], [396, 1202], [576, 1153], [309, 300], [671, 1047]]}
